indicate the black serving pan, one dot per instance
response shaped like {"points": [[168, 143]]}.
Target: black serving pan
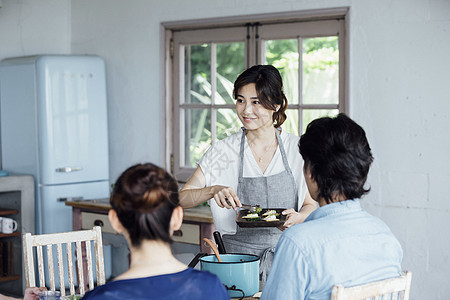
{"points": [[242, 222]]}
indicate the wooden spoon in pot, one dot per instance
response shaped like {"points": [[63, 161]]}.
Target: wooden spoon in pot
{"points": [[214, 248]]}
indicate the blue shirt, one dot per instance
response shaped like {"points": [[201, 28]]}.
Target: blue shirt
{"points": [[187, 284], [338, 243]]}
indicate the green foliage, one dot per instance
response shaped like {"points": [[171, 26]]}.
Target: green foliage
{"points": [[318, 53], [321, 59], [230, 59], [315, 44], [199, 65]]}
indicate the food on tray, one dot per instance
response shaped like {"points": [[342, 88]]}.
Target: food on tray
{"points": [[270, 212], [257, 209], [267, 217], [251, 216], [257, 214], [270, 218]]}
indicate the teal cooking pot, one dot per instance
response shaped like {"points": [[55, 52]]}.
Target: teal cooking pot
{"points": [[238, 272]]}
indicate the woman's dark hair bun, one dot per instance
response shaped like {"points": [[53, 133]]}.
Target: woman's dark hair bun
{"points": [[144, 197]]}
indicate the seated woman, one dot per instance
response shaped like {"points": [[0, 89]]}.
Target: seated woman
{"points": [[146, 210], [339, 243]]}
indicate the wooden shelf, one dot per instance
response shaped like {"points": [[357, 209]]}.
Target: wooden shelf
{"points": [[4, 212], [9, 278], [9, 234]]}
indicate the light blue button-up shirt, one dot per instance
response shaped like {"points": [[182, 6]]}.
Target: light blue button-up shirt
{"points": [[338, 243]]}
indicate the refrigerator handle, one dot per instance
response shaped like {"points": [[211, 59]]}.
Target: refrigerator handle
{"points": [[64, 199], [68, 169]]}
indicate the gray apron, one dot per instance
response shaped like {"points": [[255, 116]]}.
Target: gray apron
{"points": [[275, 191]]}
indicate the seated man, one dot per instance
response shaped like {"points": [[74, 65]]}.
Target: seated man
{"points": [[339, 243]]}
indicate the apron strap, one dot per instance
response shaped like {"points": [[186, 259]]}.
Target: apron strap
{"points": [[283, 152], [241, 155], [286, 163]]}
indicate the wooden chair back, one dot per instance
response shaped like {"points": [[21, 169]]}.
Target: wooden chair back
{"points": [[58, 239], [390, 289]]}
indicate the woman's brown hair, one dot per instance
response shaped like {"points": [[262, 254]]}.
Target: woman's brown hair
{"points": [[144, 197], [269, 88]]}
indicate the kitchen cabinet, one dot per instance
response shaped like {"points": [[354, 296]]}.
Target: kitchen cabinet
{"points": [[7, 241], [16, 202]]}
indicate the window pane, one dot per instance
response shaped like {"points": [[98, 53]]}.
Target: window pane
{"points": [[320, 70], [197, 134], [197, 77], [227, 123], [230, 62], [283, 54], [291, 123], [310, 114]]}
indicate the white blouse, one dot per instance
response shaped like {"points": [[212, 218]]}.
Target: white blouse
{"points": [[220, 165]]}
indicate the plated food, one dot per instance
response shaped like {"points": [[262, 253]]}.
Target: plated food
{"points": [[252, 216], [268, 215], [262, 217], [271, 218]]}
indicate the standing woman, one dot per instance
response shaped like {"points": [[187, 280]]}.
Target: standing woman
{"points": [[145, 209], [258, 165]]}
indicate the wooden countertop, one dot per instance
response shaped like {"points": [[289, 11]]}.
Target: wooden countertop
{"points": [[197, 214], [94, 204]]}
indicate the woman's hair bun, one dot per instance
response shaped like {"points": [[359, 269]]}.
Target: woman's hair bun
{"points": [[144, 197], [153, 196]]}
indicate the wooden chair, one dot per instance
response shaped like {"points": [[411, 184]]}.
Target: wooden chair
{"points": [[58, 239], [394, 288]]}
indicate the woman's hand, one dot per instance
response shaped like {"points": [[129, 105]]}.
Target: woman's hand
{"points": [[225, 197], [195, 192], [292, 218], [32, 293]]}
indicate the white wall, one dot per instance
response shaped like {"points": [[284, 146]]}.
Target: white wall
{"points": [[34, 27], [398, 91]]}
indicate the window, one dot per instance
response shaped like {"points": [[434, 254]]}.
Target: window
{"points": [[309, 54]]}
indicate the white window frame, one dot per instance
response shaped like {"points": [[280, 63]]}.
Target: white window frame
{"points": [[183, 38], [308, 29], [274, 26]]}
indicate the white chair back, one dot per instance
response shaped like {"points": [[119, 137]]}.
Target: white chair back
{"points": [[48, 240], [390, 289]]}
